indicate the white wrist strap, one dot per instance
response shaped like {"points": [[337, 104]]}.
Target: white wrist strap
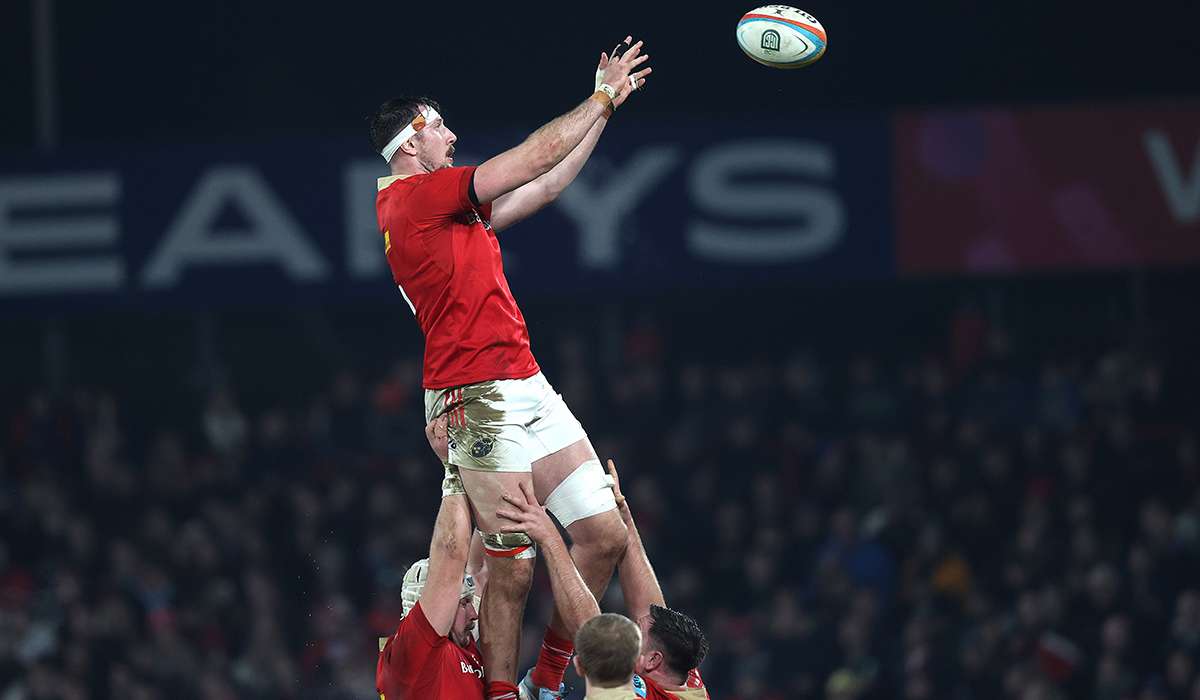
{"points": [[428, 115], [600, 80]]}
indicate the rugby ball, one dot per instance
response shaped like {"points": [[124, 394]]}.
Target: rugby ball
{"points": [[781, 36]]}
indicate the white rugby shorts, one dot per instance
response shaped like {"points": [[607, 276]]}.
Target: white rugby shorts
{"points": [[504, 425]]}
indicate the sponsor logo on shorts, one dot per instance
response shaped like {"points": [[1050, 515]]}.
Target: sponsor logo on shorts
{"points": [[482, 447]]}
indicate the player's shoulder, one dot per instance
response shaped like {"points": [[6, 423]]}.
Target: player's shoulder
{"points": [[396, 187], [416, 627]]}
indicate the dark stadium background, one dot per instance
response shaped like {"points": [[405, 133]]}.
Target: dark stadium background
{"points": [[142, 71], [219, 75]]}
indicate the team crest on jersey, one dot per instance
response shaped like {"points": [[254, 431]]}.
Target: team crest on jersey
{"points": [[482, 447]]}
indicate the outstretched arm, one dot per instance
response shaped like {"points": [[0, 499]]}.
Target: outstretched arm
{"points": [[576, 604], [639, 583], [528, 199], [448, 549], [447, 560], [551, 144]]}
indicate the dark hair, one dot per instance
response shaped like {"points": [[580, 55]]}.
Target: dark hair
{"points": [[394, 115], [607, 647], [678, 638]]}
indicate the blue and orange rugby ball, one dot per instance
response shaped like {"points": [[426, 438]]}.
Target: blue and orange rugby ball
{"points": [[781, 36]]}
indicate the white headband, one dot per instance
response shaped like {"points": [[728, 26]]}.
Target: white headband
{"points": [[425, 117]]}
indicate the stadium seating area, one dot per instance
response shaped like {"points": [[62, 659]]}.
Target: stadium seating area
{"points": [[979, 518]]}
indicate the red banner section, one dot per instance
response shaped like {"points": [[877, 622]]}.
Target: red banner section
{"points": [[1012, 190]]}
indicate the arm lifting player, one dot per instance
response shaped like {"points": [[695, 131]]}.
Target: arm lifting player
{"points": [[507, 426], [672, 644], [433, 654]]}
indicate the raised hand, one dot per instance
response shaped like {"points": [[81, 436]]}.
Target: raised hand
{"points": [[618, 71]]}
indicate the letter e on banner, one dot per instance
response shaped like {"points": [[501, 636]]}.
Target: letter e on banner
{"points": [[42, 213]]}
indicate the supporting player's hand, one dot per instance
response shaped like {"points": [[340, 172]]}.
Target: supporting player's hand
{"points": [[528, 517], [619, 70], [438, 436], [622, 504]]}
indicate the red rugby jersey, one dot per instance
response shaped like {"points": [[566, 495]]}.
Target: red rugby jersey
{"points": [[446, 260], [417, 663]]}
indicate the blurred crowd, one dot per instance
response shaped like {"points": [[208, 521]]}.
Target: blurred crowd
{"points": [[977, 521]]}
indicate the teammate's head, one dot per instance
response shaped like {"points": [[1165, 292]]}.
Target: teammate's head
{"points": [[672, 644], [431, 143], [606, 650], [464, 619]]}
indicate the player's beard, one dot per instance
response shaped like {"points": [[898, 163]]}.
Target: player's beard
{"points": [[430, 164], [462, 639]]}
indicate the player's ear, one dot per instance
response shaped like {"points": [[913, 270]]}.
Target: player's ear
{"points": [[653, 659], [579, 667]]}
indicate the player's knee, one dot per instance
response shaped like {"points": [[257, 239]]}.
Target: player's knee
{"points": [[604, 536], [613, 539]]}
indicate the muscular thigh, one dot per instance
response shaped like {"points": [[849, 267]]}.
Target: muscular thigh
{"points": [[549, 471], [485, 490], [501, 431]]}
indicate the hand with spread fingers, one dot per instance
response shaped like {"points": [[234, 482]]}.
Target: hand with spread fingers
{"points": [[527, 516], [575, 602], [617, 70]]}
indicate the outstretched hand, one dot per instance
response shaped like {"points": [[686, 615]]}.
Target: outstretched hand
{"points": [[618, 70], [527, 516]]}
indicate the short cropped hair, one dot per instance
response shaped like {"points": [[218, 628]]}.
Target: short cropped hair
{"points": [[394, 115], [678, 638], [607, 648]]}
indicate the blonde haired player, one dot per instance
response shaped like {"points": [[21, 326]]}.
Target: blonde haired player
{"points": [[606, 650], [507, 426]]}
